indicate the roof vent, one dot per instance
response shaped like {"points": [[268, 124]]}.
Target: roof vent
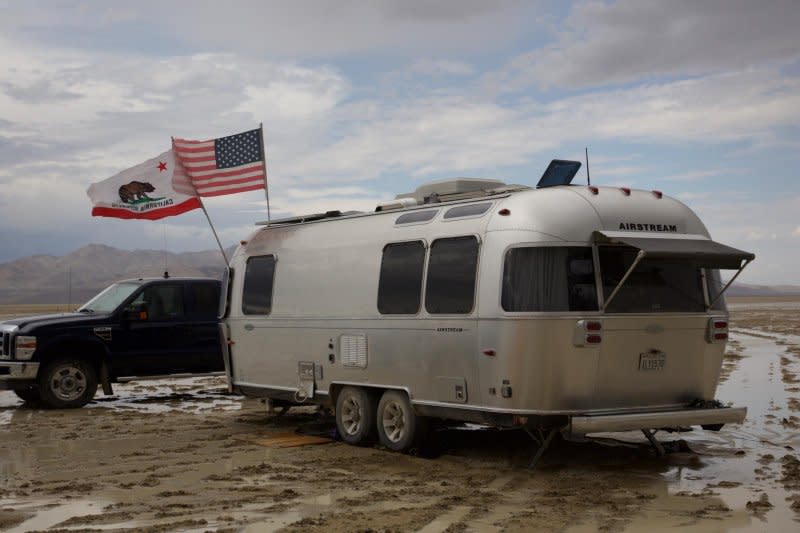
{"points": [[453, 189], [398, 203]]}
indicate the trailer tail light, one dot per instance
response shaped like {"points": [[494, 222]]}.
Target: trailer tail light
{"points": [[587, 332], [593, 189], [625, 190], [658, 194], [717, 330]]}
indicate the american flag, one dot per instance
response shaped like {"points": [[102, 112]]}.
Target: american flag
{"points": [[220, 166]]}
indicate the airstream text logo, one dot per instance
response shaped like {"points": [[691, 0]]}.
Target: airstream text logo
{"points": [[631, 226], [450, 330]]}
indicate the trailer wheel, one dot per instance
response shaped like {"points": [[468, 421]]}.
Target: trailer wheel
{"points": [[355, 416], [67, 383], [399, 427]]}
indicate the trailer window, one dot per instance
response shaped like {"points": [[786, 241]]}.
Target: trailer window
{"points": [[258, 280], [715, 285], [655, 286], [416, 217], [452, 268], [400, 285], [467, 210], [549, 279]]}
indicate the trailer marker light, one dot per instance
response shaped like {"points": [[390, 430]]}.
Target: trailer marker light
{"points": [[593, 339], [625, 190], [594, 326], [720, 336], [504, 212], [658, 194], [594, 189], [489, 352], [242, 242], [720, 325]]}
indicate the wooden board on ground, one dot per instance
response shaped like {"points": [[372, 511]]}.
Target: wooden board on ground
{"points": [[285, 440]]}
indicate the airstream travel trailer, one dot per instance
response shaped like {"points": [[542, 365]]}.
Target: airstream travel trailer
{"points": [[566, 308]]}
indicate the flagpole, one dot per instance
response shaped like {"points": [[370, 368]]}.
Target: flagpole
{"points": [[214, 231], [264, 163]]}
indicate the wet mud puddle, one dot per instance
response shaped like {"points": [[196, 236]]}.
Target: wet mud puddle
{"points": [[752, 467]]}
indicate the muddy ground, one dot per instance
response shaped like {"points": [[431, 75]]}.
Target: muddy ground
{"points": [[181, 455]]}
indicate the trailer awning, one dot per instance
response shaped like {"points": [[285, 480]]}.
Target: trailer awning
{"points": [[704, 252]]}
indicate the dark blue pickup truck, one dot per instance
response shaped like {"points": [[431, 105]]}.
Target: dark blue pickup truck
{"points": [[134, 328]]}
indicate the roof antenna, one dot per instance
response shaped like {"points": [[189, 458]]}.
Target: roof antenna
{"points": [[588, 179]]}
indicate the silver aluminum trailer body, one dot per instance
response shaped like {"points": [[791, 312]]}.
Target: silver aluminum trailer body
{"points": [[643, 369]]}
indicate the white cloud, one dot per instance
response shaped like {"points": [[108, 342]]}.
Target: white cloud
{"points": [[424, 135], [441, 68], [628, 40], [759, 225], [299, 93], [345, 136], [325, 192], [697, 175]]}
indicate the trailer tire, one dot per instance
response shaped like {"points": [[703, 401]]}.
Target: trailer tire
{"points": [[67, 383], [399, 427], [355, 416]]}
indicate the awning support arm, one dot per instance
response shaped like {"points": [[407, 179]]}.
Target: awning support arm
{"points": [[636, 261], [725, 288]]}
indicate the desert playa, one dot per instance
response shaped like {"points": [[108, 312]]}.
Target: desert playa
{"points": [[182, 455]]}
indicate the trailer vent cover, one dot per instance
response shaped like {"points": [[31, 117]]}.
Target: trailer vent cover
{"points": [[354, 350]]}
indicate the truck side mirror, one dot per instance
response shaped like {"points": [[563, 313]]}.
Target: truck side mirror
{"points": [[135, 312]]}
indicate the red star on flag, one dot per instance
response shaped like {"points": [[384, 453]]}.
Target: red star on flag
{"points": [[162, 166]]}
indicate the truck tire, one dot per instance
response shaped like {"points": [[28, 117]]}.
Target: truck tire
{"points": [[399, 427], [355, 416], [29, 395], [67, 383]]}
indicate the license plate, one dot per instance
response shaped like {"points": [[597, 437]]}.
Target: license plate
{"points": [[653, 360]]}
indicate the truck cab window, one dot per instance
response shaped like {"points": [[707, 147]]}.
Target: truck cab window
{"points": [[258, 281], [400, 285], [549, 279], [206, 299], [452, 268], [162, 302]]}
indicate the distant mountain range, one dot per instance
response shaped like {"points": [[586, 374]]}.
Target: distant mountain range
{"points": [[78, 276], [744, 289]]}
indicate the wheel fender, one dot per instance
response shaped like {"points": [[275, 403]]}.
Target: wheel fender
{"points": [[93, 350]]}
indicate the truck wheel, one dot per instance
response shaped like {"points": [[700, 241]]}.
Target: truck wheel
{"points": [[355, 416], [399, 427], [28, 394], [67, 383]]}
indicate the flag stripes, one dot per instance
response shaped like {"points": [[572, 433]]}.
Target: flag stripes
{"points": [[221, 166]]}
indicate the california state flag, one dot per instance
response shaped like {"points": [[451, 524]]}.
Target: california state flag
{"points": [[152, 190]]}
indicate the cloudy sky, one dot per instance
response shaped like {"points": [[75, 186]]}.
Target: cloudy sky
{"points": [[362, 100]]}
